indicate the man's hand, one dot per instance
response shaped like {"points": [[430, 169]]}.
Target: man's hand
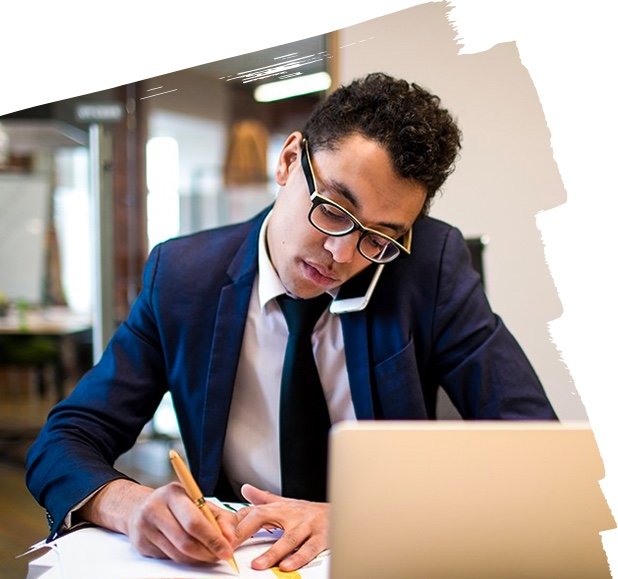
{"points": [[163, 523], [304, 524]]}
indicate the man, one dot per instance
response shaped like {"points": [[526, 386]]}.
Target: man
{"points": [[355, 187]]}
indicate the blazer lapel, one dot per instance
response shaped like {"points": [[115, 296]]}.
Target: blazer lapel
{"points": [[227, 341]]}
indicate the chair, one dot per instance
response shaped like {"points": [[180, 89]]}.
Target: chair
{"points": [[33, 352]]}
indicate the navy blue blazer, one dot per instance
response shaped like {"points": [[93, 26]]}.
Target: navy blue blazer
{"points": [[428, 324]]}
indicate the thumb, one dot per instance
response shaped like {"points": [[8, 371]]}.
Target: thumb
{"points": [[258, 496]]}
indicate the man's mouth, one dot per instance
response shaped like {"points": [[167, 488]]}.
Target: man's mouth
{"points": [[318, 274]]}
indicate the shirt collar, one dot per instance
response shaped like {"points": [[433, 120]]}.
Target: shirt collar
{"points": [[269, 284]]}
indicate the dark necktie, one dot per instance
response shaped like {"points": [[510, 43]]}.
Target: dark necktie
{"points": [[303, 414]]}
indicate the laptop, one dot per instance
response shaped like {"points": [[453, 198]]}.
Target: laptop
{"points": [[459, 499]]}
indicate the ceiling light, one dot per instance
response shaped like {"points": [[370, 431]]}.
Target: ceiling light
{"points": [[291, 87]]}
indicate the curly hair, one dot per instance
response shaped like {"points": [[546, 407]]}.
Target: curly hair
{"points": [[421, 137]]}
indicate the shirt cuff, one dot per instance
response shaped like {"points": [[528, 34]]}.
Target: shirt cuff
{"points": [[68, 522]]}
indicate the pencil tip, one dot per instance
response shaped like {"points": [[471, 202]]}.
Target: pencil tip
{"points": [[234, 565]]}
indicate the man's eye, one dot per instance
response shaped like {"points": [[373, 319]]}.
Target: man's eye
{"points": [[377, 242], [333, 213]]}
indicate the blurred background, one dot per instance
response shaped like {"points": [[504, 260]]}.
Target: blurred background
{"points": [[88, 185]]}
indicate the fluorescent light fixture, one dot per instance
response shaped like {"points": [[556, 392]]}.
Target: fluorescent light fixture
{"points": [[291, 87]]}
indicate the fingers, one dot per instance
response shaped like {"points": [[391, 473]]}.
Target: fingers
{"points": [[169, 524], [166, 523], [228, 522], [304, 526], [293, 550], [158, 545], [257, 496]]}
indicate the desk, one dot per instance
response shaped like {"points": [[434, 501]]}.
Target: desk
{"points": [[58, 326]]}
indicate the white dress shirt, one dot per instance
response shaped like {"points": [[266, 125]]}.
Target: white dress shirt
{"points": [[251, 449]]}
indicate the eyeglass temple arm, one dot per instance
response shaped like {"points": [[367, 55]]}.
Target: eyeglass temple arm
{"points": [[306, 163], [407, 240]]}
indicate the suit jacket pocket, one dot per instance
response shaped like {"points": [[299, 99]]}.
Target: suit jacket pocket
{"points": [[398, 386]]}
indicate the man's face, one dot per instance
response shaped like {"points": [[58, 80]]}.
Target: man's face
{"points": [[357, 175]]}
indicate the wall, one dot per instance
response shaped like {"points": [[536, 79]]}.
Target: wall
{"points": [[506, 173]]}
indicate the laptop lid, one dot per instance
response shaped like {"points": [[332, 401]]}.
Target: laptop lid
{"points": [[466, 499]]}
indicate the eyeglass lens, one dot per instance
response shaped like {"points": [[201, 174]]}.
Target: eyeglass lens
{"points": [[331, 220]]}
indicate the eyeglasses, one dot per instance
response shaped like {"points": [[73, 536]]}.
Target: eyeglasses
{"points": [[333, 219]]}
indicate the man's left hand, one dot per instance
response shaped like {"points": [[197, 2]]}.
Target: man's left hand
{"points": [[304, 525]]}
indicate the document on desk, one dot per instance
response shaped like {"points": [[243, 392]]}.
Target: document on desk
{"points": [[97, 553]]}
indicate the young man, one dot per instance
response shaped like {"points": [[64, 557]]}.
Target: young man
{"points": [[355, 187]]}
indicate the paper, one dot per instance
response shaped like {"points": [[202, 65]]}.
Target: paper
{"points": [[101, 554]]}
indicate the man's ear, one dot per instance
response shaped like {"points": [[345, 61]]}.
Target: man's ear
{"points": [[290, 153]]}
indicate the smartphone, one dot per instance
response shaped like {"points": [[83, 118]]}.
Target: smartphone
{"points": [[356, 304]]}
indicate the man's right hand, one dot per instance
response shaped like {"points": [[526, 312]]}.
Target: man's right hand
{"points": [[162, 523]]}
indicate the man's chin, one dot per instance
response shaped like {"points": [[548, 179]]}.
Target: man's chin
{"points": [[307, 294]]}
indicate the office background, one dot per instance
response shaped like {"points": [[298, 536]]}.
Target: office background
{"points": [[506, 172]]}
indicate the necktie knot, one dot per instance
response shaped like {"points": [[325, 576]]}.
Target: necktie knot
{"points": [[302, 315]]}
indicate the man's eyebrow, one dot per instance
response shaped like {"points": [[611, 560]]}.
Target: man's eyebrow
{"points": [[343, 190]]}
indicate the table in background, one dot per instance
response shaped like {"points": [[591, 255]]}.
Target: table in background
{"points": [[44, 337]]}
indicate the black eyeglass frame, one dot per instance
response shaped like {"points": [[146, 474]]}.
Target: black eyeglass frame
{"points": [[317, 200]]}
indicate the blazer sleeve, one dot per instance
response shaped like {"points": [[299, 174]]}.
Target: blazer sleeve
{"points": [[75, 451], [480, 365]]}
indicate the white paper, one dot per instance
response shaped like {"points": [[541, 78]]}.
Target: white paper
{"points": [[97, 553]]}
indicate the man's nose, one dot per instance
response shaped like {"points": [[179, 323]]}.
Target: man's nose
{"points": [[342, 248]]}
